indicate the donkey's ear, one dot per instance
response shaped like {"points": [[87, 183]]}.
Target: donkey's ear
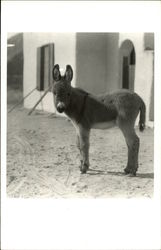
{"points": [[56, 73], [69, 73]]}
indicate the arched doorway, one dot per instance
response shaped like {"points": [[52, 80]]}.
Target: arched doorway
{"points": [[127, 65]]}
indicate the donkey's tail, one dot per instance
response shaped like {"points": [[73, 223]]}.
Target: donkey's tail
{"points": [[142, 116]]}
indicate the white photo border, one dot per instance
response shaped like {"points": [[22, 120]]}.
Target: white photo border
{"points": [[81, 223]]}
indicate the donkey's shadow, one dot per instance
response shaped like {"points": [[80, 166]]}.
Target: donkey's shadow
{"points": [[102, 172]]}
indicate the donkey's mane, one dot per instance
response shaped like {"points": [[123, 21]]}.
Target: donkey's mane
{"points": [[82, 91]]}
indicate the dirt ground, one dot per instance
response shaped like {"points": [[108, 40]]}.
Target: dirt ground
{"points": [[43, 161]]}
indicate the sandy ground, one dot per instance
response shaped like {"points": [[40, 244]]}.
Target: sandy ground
{"points": [[43, 161]]}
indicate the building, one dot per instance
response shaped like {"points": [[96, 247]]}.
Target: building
{"points": [[102, 62], [14, 68]]}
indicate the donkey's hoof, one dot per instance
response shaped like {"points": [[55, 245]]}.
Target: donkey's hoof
{"points": [[127, 171], [83, 169], [130, 172]]}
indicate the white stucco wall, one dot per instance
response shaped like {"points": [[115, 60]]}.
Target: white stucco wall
{"points": [[64, 54], [143, 68], [97, 62], [112, 67]]}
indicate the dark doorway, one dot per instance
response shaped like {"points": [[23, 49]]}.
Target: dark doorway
{"points": [[127, 59], [45, 63], [125, 75]]}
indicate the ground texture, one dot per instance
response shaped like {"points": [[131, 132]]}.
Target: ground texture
{"points": [[43, 161]]}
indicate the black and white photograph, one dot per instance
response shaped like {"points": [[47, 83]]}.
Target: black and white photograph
{"points": [[80, 125], [63, 91]]}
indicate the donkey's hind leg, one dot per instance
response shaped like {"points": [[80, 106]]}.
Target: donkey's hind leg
{"points": [[133, 142]]}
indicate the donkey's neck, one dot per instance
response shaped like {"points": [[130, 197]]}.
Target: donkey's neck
{"points": [[76, 105]]}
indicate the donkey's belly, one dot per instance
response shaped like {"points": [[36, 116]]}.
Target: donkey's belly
{"points": [[104, 125]]}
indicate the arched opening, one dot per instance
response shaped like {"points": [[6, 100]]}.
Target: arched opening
{"points": [[127, 65]]}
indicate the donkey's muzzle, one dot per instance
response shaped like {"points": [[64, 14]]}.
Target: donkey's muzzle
{"points": [[61, 107]]}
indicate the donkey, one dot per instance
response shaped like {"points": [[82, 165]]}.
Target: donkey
{"points": [[87, 111]]}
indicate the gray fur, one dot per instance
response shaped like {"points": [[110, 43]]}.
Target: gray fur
{"points": [[87, 111]]}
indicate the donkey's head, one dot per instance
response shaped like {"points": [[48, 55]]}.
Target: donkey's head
{"points": [[62, 87]]}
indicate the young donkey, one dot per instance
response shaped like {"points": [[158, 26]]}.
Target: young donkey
{"points": [[87, 111]]}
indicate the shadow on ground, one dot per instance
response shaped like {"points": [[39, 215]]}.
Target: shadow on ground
{"points": [[101, 172]]}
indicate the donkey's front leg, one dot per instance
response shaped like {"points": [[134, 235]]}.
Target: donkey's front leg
{"points": [[83, 145]]}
